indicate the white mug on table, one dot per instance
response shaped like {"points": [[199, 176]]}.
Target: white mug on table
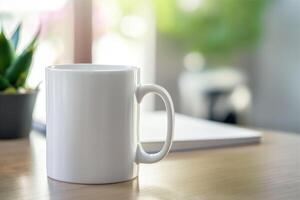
{"points": [[93, 123]]}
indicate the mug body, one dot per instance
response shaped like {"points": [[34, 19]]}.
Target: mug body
{"points": [[92, 123]]}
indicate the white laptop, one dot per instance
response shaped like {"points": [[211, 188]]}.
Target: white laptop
{"points": [[192, 133]]}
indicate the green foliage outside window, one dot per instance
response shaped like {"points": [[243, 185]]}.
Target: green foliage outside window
{"points": [[217, 28]]}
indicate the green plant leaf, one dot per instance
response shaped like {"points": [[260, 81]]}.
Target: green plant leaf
{"points": [[20, 65], [15, 36], [35, 38], [10, 90], [4, 83], [21, 80], [6, 52], [17, 72]]}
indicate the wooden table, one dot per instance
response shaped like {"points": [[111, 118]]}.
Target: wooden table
{"points": [[270, 170]]}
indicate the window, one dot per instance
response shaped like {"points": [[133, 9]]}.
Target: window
{"points": [[97, 31]]}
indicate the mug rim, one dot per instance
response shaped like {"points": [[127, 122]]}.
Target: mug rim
{"points": [[89, 67]]}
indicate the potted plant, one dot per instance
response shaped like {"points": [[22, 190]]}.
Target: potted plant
{"points": [[16, 99]]}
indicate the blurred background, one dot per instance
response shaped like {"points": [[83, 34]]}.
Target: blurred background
{"points": [[230, 61]]}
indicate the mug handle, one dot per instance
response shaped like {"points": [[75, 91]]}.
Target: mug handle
{"points": [[141, 91]]}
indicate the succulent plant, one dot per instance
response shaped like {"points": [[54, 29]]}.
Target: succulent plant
{"points": [[14, 67]]}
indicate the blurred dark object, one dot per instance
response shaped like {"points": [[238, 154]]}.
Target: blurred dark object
{"points": [[220, 95], [229, 116]]}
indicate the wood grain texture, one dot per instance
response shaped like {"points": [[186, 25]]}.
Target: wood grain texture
{"points": [[270, 170]]}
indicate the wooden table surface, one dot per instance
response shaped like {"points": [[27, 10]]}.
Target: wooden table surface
{"points": [[270, 170]]}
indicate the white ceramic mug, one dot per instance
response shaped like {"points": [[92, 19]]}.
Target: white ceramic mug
{"points": [[93, 123]]}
